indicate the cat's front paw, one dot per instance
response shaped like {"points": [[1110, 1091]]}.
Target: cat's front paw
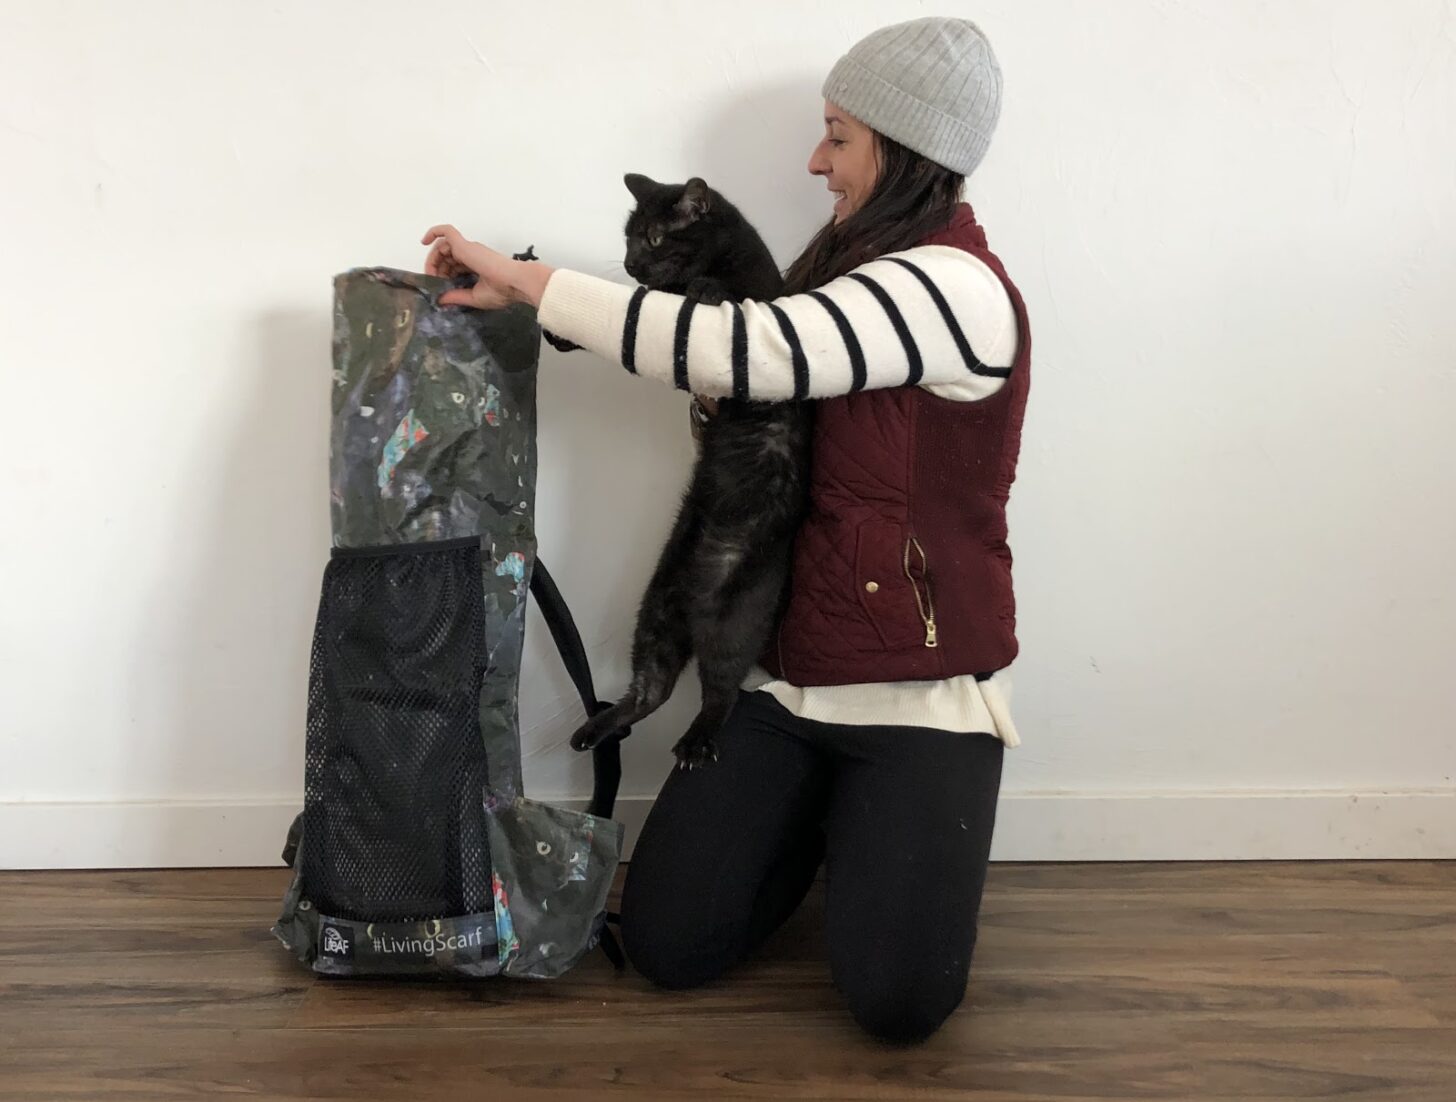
{"points": [[561, 344], [694, 753], [707, 291], [589, 735]]}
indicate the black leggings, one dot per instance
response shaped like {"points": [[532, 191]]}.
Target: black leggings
{"points": [[904, 816]]}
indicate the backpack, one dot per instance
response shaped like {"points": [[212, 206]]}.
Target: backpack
{"points": [[417, 852]]}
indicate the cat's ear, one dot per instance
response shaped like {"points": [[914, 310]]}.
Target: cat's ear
{"points": [[697, 199], [640, 186]]}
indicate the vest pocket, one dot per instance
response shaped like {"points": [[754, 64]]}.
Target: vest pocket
{"points": [[893, 589]]}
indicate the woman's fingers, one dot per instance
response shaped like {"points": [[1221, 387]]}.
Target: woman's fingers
{"points": [[452, 254], [446, 231], [481, 297], [441, 259], [447, 244]]}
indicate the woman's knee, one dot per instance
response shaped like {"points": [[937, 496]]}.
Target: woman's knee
{"points": [[675, 968], [670, 944], [901, 994], [904, 1009]]}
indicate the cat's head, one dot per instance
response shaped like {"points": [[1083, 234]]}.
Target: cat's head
{"points": [[675, 232]]}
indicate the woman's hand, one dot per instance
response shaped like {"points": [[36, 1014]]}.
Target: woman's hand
{"points": [[500, 281]]}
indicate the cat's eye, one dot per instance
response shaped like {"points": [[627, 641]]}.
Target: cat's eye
{"points": [[654, 238]]}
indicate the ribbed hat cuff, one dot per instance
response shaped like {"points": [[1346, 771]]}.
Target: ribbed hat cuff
{"points": [[897, 114]]}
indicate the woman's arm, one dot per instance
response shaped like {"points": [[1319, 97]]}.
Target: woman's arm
{"points": [[933, 316]]}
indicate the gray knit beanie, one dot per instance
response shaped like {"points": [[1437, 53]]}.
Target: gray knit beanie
{"points": [[931, 84]]}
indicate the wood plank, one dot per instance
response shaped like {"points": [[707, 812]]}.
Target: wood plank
{"points": [[105, 1005], [968, 1060], [1281, 981], [72, 900], [190, 947]]}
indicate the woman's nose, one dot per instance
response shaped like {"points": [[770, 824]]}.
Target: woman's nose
{"points": [[818, 163]]}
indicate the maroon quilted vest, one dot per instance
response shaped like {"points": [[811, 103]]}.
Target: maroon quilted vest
{"points": [[901, 570]]}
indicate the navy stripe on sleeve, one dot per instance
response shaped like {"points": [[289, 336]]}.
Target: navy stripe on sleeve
{"points": [[680, 344], [740, 354], [629, 330], [796, 352], [897, 319], [858, 374], [967, 353]]}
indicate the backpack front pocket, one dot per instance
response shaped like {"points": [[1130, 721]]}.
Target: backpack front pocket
{"points": [[395, 766]]}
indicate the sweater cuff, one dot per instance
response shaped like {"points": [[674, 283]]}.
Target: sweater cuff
{"points": [[585, 310]]}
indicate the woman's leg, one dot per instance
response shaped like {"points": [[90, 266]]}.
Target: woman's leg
{"points": [[728, 851], [909, 834]]}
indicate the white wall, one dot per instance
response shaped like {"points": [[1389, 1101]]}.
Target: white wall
{"points": [[1235, 224]]}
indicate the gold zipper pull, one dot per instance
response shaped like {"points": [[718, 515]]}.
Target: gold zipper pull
{"points": [[926, 607]]}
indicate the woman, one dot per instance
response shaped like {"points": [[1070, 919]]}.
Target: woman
{"points": [[874, 741]]}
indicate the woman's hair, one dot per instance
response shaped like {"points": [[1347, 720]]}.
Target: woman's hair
{"points": [[912, 198]]}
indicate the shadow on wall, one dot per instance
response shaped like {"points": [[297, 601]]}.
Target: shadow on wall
{"points": [[230, 721], [244, 589], [755, 149]]}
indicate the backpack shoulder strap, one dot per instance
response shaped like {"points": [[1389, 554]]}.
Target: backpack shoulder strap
{"points": [[606, 757]]}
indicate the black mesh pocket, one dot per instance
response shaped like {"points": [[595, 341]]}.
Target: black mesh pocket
{"points": [[394, 826]]}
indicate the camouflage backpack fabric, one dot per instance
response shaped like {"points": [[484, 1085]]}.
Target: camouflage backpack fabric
{"points": [[417, 851]]}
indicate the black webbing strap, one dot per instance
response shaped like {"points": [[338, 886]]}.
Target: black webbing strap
{"points": [[606, 757]]}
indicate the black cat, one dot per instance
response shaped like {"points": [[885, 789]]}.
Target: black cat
{"points": [[719, 581]]}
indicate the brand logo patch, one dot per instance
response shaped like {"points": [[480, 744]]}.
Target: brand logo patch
{"points": [[337, 943]]}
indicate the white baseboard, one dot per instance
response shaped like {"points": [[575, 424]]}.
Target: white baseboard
{"points": [[1227, 825]]}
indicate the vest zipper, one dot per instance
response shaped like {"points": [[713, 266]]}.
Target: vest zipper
{"points": [[926, 605]]}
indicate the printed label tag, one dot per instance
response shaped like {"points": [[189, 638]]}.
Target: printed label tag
{"points": [[436, 942]]}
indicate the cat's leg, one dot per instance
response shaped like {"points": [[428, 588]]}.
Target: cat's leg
{"points": [[730, 628], [662, 642], [707, 291]]}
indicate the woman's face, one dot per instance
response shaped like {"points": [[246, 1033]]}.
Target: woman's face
{"points": [[848, 159]]}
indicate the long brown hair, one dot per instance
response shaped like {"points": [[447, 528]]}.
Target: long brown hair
{"points": [[912, 198]]}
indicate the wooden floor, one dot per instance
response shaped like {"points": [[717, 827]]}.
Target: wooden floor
{"points": [[1245, 981]]}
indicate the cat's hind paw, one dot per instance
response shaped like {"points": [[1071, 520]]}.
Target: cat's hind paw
{"points": [[695, 753]]}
